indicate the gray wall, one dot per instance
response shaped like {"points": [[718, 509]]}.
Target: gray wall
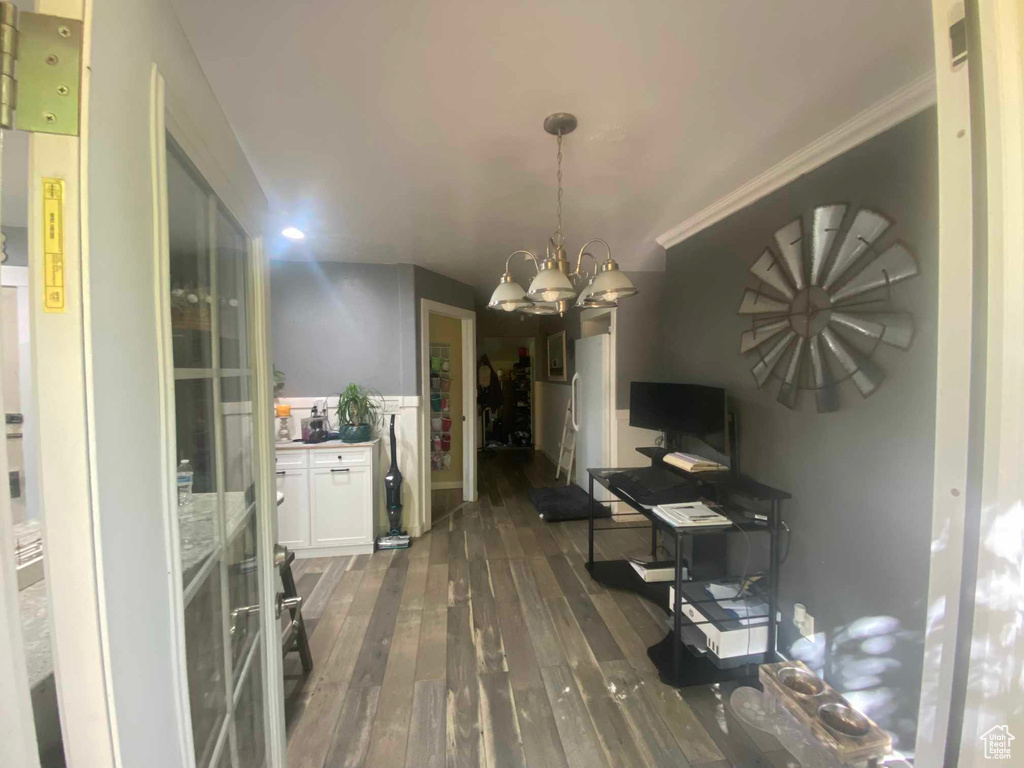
{"points": [[338, 322], [16, 246], [861, 478], [335, 323], [434, 287], [636, 331]]}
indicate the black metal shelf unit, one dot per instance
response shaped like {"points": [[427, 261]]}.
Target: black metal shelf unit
{"points": [[677, 663]]}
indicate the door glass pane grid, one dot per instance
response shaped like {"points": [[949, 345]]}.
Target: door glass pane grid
{"points": [[232, 293], [219, 528], [191, 289]]}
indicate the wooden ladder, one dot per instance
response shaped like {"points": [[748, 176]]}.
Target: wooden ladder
{"points": [[567, 447]]}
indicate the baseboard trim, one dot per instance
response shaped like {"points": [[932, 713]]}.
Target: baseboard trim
{"points": [[912, 98], [349, 549], [448, 485]]}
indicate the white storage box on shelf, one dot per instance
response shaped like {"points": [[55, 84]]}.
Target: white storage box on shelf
{"points": [[724, 637]]}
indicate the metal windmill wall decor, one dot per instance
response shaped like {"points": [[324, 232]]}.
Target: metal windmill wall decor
{"points": [[819, 322]]}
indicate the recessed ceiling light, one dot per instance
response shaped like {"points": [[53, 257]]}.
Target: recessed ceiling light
{"points": [[293, 234]]}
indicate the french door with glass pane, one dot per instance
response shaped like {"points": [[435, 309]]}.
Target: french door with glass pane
{"points": [[217, 532]]}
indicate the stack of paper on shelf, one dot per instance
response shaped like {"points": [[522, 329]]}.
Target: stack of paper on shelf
{"points": [[690, 514], [693, 463]]}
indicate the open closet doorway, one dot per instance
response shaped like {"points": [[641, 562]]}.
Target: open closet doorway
{"points": [[447, 354], [505, 381]]}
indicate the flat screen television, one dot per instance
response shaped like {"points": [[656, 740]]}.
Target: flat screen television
{"points": [[680, 410]]}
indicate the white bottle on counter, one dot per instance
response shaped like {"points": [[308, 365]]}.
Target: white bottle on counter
{"points": [[184, 484]]}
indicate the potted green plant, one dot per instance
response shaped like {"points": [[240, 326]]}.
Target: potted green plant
{"points": [[360, 412]]}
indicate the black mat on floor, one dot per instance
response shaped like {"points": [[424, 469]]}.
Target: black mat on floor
{"points": [[565, 502]]}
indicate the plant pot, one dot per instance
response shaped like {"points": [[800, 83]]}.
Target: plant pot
{"points": [[355, 433]]}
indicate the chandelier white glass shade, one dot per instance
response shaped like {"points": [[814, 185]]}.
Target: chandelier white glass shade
{"points": [[550, 284], [611, 284], [557, 286], [509, 295]]}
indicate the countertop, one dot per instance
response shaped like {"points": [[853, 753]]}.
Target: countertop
{"points": [[293, 446], [35, 623]]}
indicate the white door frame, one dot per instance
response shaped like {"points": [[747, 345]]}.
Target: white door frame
{"points": [[468, 318], [72, 562], [966, 516]]}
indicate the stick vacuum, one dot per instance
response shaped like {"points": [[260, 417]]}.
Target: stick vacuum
{"points": [[396, 538]]}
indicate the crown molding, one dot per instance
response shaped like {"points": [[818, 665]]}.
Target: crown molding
{"points": [[912, 98]]}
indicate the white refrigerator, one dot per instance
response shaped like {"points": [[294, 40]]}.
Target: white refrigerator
{"points": [[591, 407]]}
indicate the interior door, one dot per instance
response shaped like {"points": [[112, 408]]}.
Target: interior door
{"points": [[209, 297], [164, 641], [591, 396]]}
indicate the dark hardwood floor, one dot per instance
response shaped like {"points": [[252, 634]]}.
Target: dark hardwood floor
{"points": [[486, 643]]}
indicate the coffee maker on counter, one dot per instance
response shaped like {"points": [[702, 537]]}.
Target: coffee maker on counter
{"points": [[314, 429]]}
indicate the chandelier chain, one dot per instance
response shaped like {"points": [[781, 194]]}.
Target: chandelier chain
{"points": [[559, 238]]}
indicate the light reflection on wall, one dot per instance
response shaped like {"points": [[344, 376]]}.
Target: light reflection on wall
{"points": [[862, 661]]}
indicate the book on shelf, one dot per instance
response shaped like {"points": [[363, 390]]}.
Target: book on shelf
{"points": [[693, 463], [691, 514]]}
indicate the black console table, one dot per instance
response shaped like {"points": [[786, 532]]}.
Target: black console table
{"points": [[676, 664]]}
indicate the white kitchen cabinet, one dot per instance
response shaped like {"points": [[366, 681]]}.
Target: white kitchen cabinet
{"points": [[293, 513], [331, 495], [339, 499]]}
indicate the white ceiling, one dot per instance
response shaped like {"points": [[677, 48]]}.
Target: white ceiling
{"points": [[411, 131]]}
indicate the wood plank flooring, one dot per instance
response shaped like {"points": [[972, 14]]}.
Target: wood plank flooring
{"points": [[487, 644]]}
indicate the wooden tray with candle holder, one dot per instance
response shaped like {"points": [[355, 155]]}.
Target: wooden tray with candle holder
{"points": [[849, 735]]}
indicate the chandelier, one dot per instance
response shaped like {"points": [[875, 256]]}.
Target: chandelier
{"points": [[556, 287]]}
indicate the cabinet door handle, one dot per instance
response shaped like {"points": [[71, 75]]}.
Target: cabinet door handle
{"points": [[281, 472], [340, 470]]}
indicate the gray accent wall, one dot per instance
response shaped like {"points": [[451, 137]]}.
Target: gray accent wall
{"points": [[16, 246], [861, 478], [435, 287], [636, 334], [333, 323]]}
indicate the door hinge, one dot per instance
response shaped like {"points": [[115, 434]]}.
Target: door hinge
{"points": [[40, 71], [958, 43]]}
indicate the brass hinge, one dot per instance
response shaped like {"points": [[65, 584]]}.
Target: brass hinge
{"points": [[40, 71]]}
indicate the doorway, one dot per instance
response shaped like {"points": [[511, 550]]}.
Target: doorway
{"points": [[448, 463], [505, 383], [447, 419]]}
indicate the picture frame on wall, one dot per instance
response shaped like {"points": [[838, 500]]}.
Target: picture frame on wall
{"points": [[556, 357]]}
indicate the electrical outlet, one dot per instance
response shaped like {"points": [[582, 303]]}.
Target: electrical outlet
{"points": [[807, 629], [803, 621]]}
